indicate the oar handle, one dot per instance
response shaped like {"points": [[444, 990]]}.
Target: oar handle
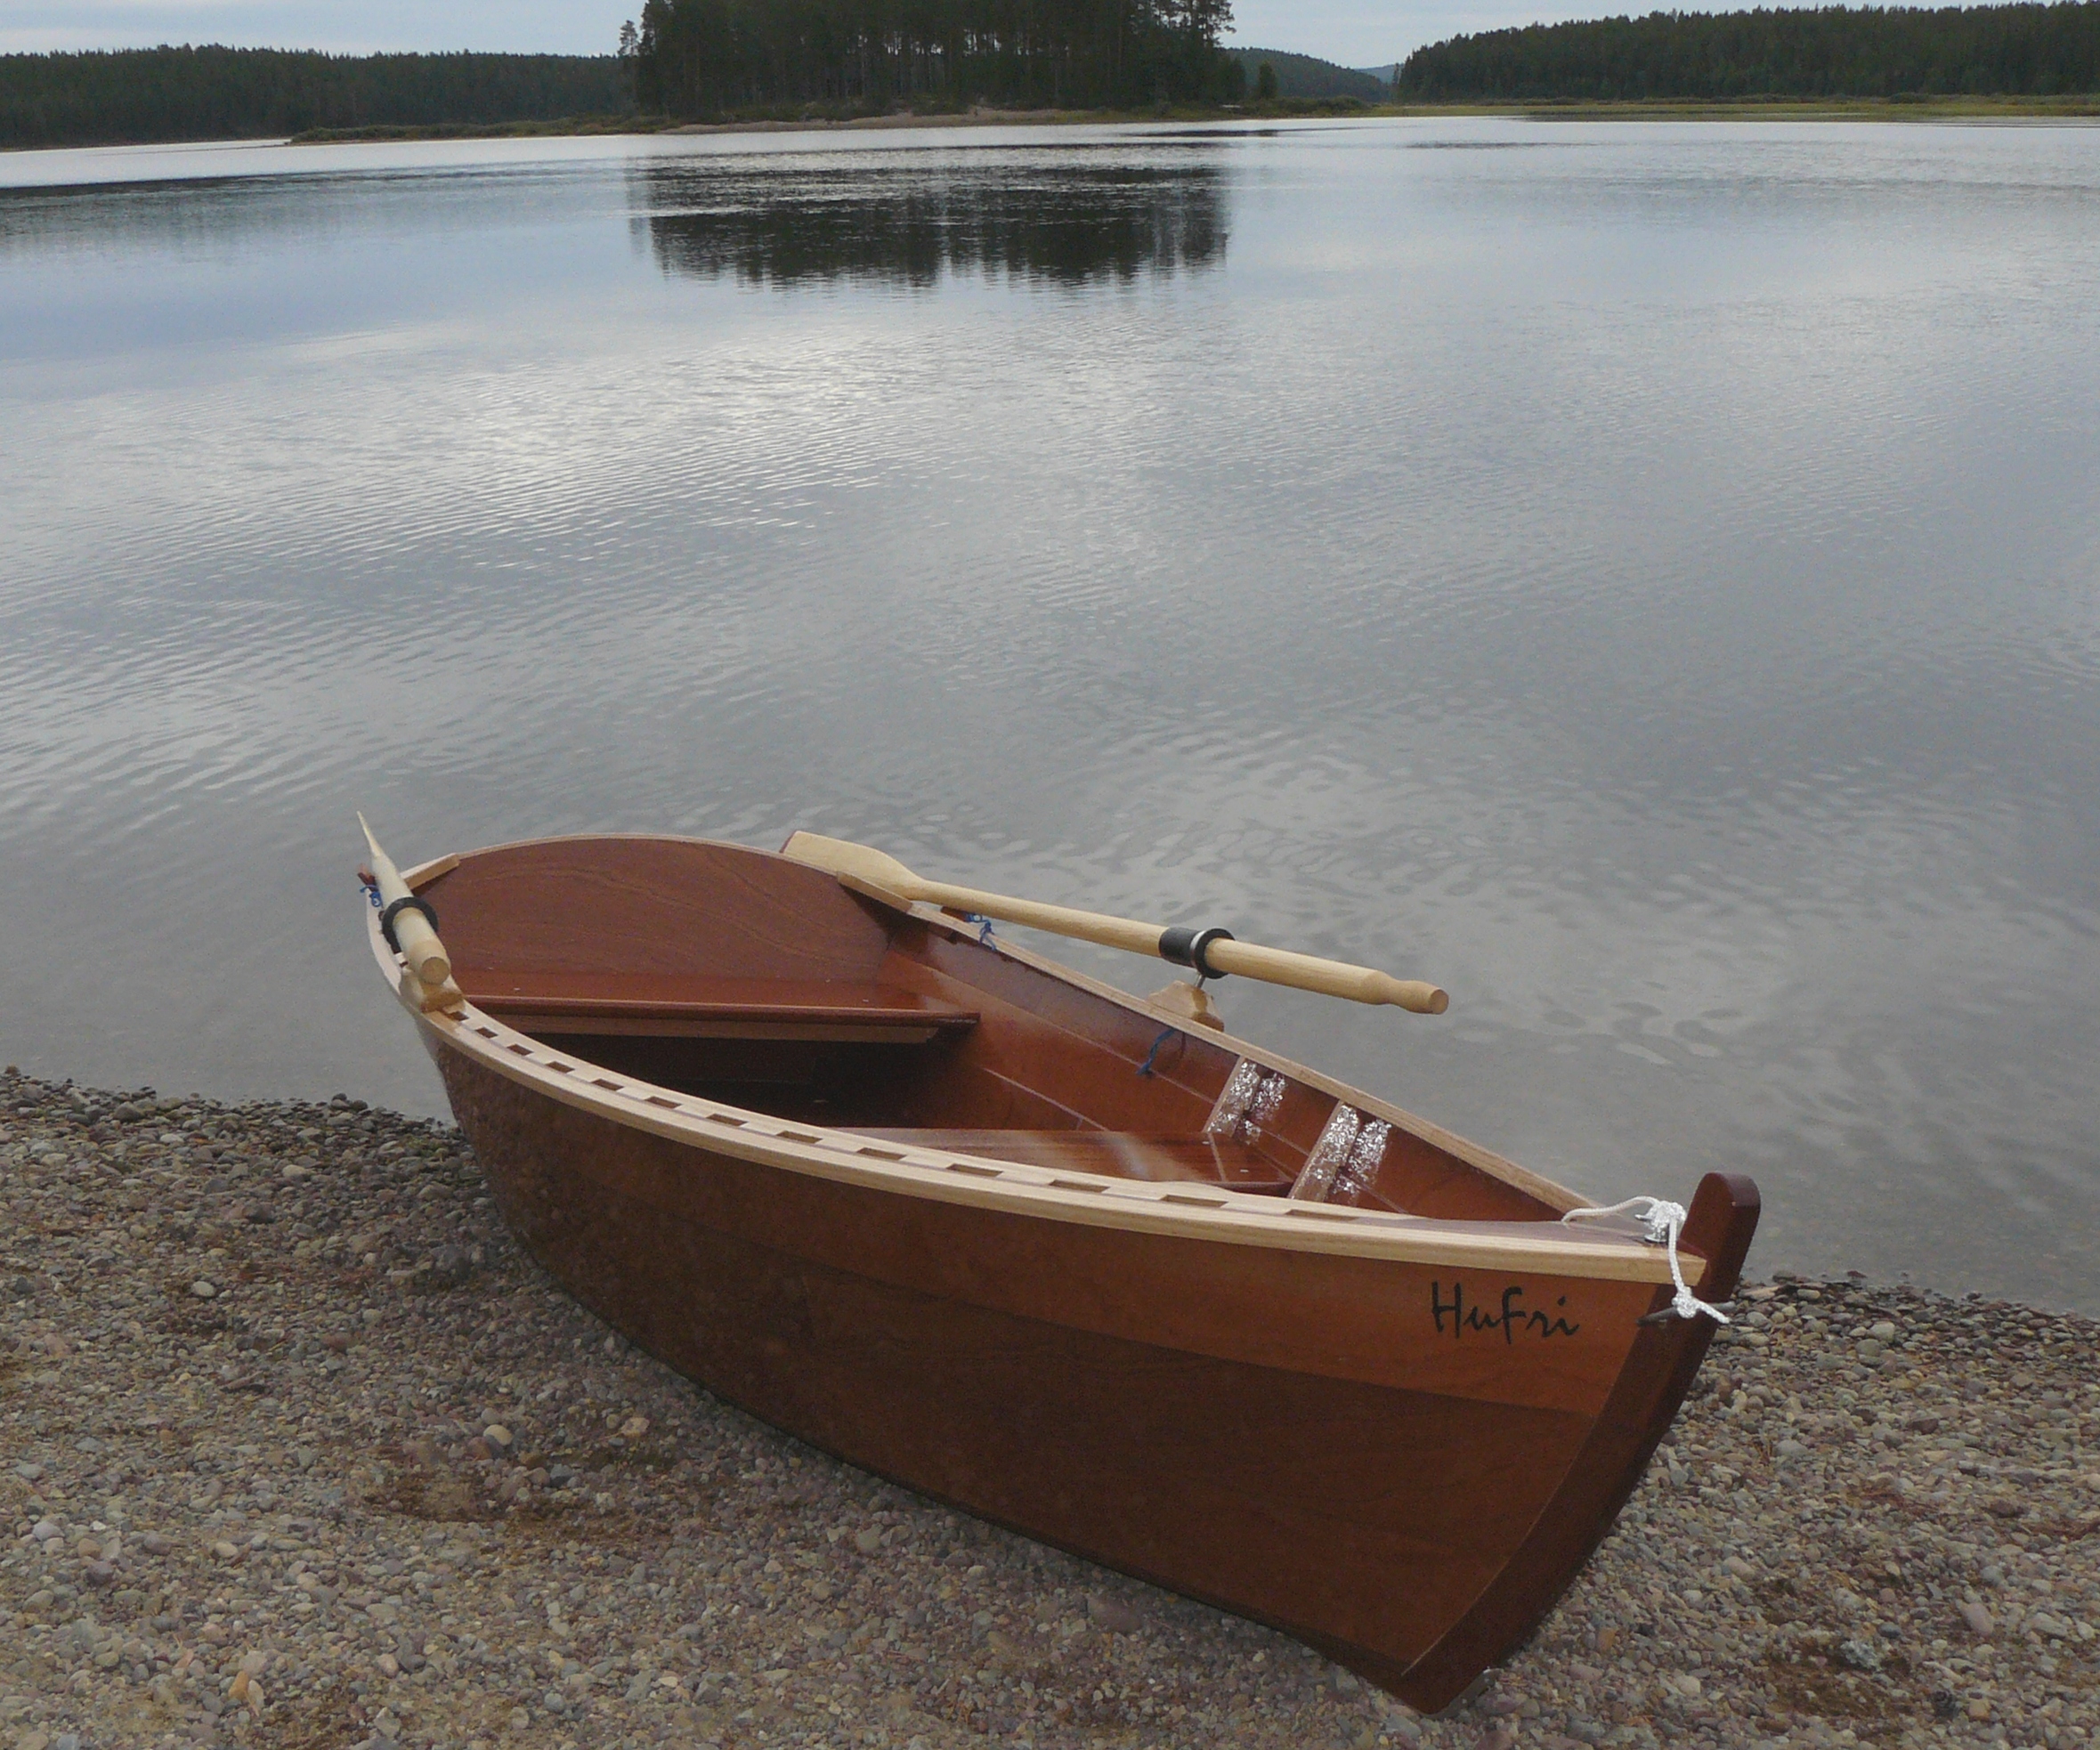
{"points": [[417, 935], [1333, 978]]}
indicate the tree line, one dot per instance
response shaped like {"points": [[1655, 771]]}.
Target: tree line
{"points": [[2035, 51], [126, 95], [1307, 76], [699, 58]]}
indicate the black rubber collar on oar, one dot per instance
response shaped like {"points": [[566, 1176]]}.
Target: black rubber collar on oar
{"points": [[411, 903], [1191, 947]]}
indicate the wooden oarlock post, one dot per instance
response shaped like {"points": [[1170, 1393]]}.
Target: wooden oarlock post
{"points": [[1214, 951], [428, 975]]}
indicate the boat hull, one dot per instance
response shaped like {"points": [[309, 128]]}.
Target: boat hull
{"points": [[1401, 1464]]}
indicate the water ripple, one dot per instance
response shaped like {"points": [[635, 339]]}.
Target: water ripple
{"points": [[1645, 582]]}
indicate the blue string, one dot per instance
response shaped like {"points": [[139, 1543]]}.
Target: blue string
{"points": [[1145, 1068], [985, 927], [1166, 1033]]}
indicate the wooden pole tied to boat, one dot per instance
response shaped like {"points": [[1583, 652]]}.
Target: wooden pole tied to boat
{"points": [[1212, 952], [412, 929]]}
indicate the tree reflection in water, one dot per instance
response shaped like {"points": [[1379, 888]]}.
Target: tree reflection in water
{"points": [[883, 224]]}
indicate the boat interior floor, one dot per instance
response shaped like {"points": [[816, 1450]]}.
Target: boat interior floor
{"points": [[763, 986], [826, 1053]]}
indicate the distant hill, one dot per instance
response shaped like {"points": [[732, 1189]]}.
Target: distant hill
{"points": [[1307, 76], [125, 95]]}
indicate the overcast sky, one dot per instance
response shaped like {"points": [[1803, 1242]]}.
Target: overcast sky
{"points": [[1357, 33]]}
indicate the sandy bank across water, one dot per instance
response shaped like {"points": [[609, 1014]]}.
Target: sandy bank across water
{"points": [[974, 118]]}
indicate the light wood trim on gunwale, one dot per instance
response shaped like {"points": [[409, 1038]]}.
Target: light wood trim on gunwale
{"points": [[1191, 1210]]}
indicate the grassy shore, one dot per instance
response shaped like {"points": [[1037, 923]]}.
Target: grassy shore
{"points": [[567, 126], [1789, 108], [2082, 109]]}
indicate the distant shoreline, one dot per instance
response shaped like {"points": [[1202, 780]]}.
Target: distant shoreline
{"points": [[1739, 66], [2080, 109]]}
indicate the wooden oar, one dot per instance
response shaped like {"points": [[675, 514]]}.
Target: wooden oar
{"points": [[418, 939], [1212, 952]]}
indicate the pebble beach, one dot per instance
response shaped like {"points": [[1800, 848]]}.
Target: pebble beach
{"points": [[297, 1449]]}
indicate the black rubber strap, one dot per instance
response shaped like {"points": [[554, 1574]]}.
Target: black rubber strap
{"points": [[411, 903], [1191, 947]]}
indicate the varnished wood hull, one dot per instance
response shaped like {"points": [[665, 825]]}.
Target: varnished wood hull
{"points": [[1400, 1460]]}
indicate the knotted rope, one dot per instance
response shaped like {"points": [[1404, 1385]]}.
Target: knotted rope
{"points": [[1664, 1222]]}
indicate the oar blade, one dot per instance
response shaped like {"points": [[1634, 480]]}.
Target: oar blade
{"points": [[842, 856]]}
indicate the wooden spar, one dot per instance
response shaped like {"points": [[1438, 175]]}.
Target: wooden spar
{"points": [[1273, 966], [419, 943]]}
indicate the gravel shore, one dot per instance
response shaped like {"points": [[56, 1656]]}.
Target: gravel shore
{"points": [[297, 1449]]}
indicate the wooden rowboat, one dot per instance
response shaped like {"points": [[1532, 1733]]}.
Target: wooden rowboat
{"points": [[1068, 1259]]}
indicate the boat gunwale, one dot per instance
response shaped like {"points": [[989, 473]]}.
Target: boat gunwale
{"points": [[1193, 1210]]}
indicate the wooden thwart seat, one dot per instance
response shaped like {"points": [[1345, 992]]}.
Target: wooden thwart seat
{"points": [[1113, 1154], [681, 1007]]}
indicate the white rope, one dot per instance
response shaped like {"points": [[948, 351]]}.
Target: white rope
{"points": [[1664, 1222]]}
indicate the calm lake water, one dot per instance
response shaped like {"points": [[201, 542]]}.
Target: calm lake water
{"points": [[1646, 578]]}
